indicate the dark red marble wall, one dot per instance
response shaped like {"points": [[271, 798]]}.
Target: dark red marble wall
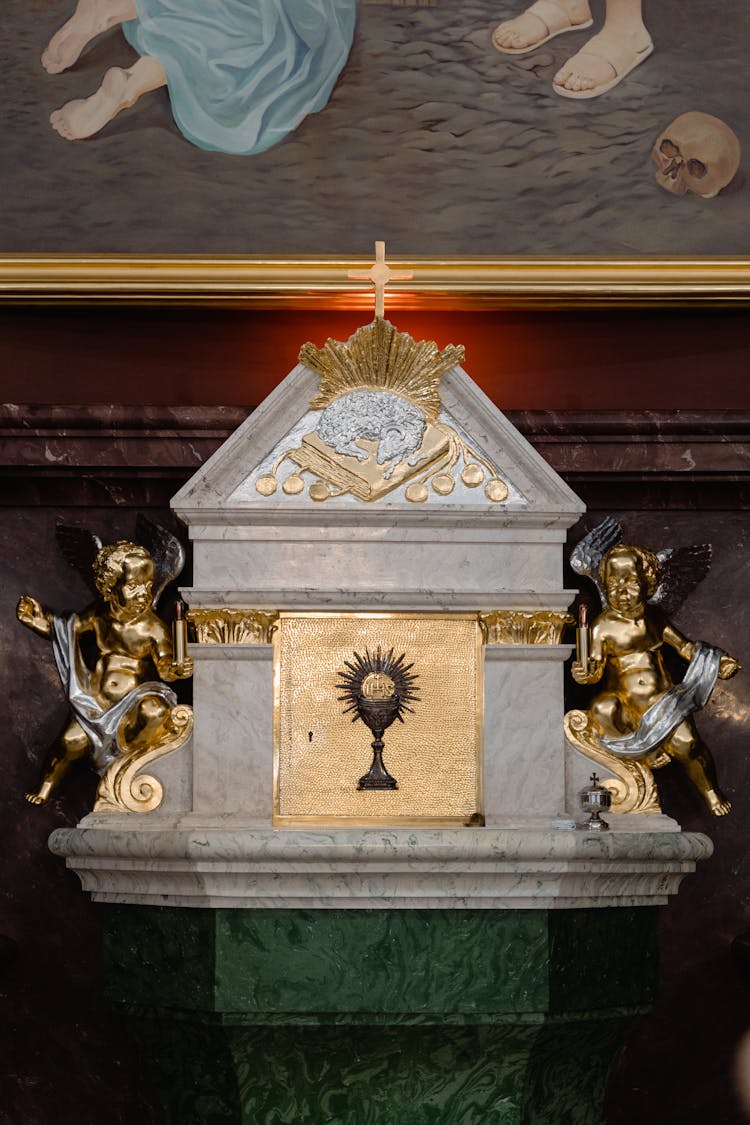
{"points": [[646, 415], [606, 359]]}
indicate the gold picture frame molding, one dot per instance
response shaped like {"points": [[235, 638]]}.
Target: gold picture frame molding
{"points": [[456, 283]]}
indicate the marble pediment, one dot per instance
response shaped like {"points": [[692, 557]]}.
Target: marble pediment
{"points": [[377, 424]]}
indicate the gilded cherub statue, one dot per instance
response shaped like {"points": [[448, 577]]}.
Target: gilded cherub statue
{"points": [[641, 720], [123, 716]]}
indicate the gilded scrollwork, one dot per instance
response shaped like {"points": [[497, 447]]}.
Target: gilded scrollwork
{"points": [[523, 627], [633, 786], [122, 787], [232, 626]]}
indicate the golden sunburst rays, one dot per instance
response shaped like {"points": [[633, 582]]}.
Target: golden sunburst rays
{"points": [[378, 357]]}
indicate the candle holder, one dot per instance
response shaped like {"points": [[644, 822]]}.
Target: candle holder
{"points": [[583, 637], [179, 633]]}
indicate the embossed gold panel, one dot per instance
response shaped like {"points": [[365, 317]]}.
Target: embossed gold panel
{"points": [[320, 754]]}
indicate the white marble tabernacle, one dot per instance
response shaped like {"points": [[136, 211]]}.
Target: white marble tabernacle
{"points": [[265, 542], [286, 552]]}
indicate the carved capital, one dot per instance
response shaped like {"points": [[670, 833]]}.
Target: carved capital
{"points": [[232, 626], [521, 627]]}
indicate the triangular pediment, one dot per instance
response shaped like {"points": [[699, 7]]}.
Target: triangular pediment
{"points": [[380, 423]]}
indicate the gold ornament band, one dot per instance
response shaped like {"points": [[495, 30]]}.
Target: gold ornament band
{"points": [[520, 627], [232, 626]]}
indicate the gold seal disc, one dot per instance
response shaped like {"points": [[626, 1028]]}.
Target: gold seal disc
{"points": [[378, 685], [319, 491], [496, 490], [443, 484], [472, 475], [293, 484], [266, 485], [416, 492]]}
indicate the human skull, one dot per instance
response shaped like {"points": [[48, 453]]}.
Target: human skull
{"points": [[697, 153]]}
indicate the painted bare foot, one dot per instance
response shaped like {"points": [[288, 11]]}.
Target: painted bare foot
{"points": [[538, 24], [83, 117], [717, 802], [601, 64], [90, 18]]}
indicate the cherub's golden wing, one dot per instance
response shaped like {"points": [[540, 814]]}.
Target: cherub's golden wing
{"points": [[682, 569]]}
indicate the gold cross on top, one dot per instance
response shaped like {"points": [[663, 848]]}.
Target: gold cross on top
{"points": [[379, 274]]}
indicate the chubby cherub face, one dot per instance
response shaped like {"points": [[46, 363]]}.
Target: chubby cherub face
{"points": [[133, 592], [625, 584]]}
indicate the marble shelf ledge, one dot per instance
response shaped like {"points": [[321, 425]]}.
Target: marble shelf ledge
{"points": [[345, 600], [204, 518], [368, 868]]}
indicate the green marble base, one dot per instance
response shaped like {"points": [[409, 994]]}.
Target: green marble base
{"points": [[369, 1017]]}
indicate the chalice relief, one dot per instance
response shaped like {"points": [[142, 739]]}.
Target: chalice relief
{"points": [[378, 687], [640, 720], [122, 714]]}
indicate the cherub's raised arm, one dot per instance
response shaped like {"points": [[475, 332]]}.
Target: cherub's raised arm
{"points": [[86, 621], [681, 644], [728, 666], [30, 613]]}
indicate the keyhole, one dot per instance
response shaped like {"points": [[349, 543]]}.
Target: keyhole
{"points": [[309, 736]]}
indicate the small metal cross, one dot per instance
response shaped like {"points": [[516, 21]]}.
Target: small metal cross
{"points": [[379, 274]]}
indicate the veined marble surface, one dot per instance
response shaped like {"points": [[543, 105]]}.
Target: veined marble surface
{"points": [[296, 550], [193, 862], [281, 553], [233, 740], [353, 565], [523, 757], [378, 601]]}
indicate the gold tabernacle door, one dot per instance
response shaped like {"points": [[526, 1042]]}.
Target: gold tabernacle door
{"points": [[434, 753]]}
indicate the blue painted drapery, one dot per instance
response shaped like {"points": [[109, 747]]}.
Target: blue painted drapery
{"points": [[242, 74]]}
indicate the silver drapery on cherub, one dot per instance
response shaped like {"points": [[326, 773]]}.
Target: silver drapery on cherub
{"points": [[123, 715], [641, 720]]}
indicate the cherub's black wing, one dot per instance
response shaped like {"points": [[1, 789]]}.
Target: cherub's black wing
{"points": [[682, 569], [79, 548], [587, 555], [165, 549]]}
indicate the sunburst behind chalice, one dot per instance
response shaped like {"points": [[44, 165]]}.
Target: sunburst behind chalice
{"points": [[379, 688]]}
